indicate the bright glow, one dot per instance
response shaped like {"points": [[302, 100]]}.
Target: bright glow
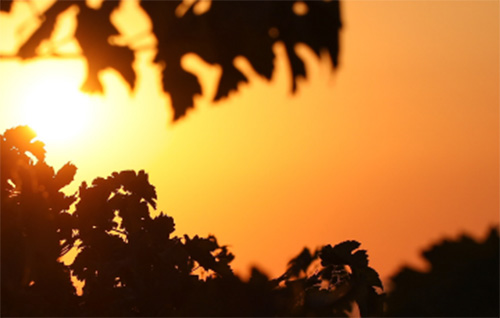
{"points": [[56, 109]]}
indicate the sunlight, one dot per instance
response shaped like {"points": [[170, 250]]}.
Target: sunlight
{"points": [[56, 109]]}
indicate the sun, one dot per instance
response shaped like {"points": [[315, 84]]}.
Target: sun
{"points": [[56, 109]]}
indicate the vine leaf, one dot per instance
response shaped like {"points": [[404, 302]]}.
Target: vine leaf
{"points": [[65, 175], [371, 276], [340, 254], [92, 33], [299, 264], [237, 28]]}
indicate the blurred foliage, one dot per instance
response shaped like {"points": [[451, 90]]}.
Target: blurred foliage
{"points": [[5, 5], [130, 262], [463, 281], [228, 29]]}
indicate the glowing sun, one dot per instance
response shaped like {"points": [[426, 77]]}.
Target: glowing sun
{"points": [[56, 109]]}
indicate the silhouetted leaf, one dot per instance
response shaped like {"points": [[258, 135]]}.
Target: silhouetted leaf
{"points": [[340, 254], [346, 248], [162, 226], [92, 33], [300, 263], [38, 150], [19, 137], [237, 28], [223, 255], [359, 259], [5, 5], [65, 175], [371, 276], [182, 87], [44, 31]]}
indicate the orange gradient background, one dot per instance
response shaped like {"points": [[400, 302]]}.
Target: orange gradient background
{"points": [[398, 148]]}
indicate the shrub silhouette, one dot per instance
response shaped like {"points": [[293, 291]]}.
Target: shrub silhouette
{"points": [[463, 281], [227, 30], [131, 264]]}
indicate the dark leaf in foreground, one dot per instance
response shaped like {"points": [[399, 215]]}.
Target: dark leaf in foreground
{"points": [[6, 5], [238, 28], [229, 29], [93, 33]]}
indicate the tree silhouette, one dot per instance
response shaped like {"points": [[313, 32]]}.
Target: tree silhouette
{"points": [[130, 262], [227, 30], [463, 281]]}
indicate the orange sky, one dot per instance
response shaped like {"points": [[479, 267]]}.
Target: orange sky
{"points": [[397, 149]]}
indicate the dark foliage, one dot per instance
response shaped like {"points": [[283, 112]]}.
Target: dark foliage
{"points": [[463, 281], [227, 30], [35, 229], [92, 33], [132, 264], [342, 278], [5, 5]]}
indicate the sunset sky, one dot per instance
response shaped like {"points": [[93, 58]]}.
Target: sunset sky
{"points": [[397, 149]]}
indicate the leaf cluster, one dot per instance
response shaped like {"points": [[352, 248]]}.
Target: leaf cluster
{"points": [[227, 30], [332, 279]]}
